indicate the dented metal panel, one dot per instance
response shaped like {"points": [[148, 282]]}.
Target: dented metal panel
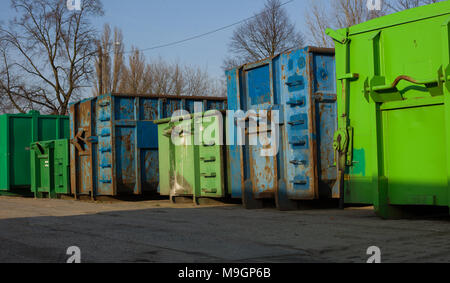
{"points": [[234, 151], [114, 144], [300, 86]]}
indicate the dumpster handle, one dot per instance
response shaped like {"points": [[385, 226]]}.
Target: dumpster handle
{"points": [[40, 147], [76, 141], [409, 79], [405, 78], [168, 133]]}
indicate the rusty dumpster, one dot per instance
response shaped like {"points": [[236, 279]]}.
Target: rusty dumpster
{"points": [[291, 100], [114, 142]]}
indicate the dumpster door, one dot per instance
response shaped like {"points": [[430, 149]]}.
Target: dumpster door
{"points": [[415, 177], [184, 176], [41, 167], [61, 167], [301, 145], [103, 162], [211, 158], [82, 167], [263, 169], [309, 95]]}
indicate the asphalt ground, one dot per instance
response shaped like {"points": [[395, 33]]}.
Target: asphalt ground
{"points": [[146, 231]]}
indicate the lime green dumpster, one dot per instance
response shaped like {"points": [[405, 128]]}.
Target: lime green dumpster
{"points": [[393, 137], [50, 167], [191, 156]]}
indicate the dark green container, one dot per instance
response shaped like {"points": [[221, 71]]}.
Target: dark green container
{"points": [[17, 132], [50, 167]]}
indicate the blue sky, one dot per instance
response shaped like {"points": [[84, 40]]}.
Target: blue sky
{"points": [[147, 23]]}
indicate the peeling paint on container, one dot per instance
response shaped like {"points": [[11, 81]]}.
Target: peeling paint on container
{"points": [[114, 144], [301, 86]]}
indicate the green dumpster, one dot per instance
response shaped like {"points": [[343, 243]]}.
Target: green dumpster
{"points": [[191, 156], [50, 167], [17, 132], [393, 137]]}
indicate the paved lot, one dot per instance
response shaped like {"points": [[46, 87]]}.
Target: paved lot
{"points": [[157, 231]]}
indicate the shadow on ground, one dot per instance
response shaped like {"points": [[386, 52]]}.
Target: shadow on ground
{"points": [[219, 234]]}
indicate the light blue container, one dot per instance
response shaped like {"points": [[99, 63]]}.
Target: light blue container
{"points": [[301, 86]]}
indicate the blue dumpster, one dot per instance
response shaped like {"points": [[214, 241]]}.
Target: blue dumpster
{"points": [[114, 142], [300, 86]]}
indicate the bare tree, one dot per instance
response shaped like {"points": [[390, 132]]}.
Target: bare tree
{"points": [[162, 76], [159, 77], [317, 21], [342, 13], [50, 50], [9, 86], [352, 12], [136, 78], [268, 33], [218, 87], [197, 81], [177, 79], [109, 72], [118, 65], [346, 13], [400, 5]]}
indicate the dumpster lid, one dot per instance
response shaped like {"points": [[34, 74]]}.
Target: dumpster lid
{"points": [[154, 96], [403, 17], [255, 64]]}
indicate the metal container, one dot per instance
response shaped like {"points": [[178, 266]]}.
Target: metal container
{"points": [[50, 174], [393, 143], [300, 85], [17, 132], [115, 142], [192, 157]]}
